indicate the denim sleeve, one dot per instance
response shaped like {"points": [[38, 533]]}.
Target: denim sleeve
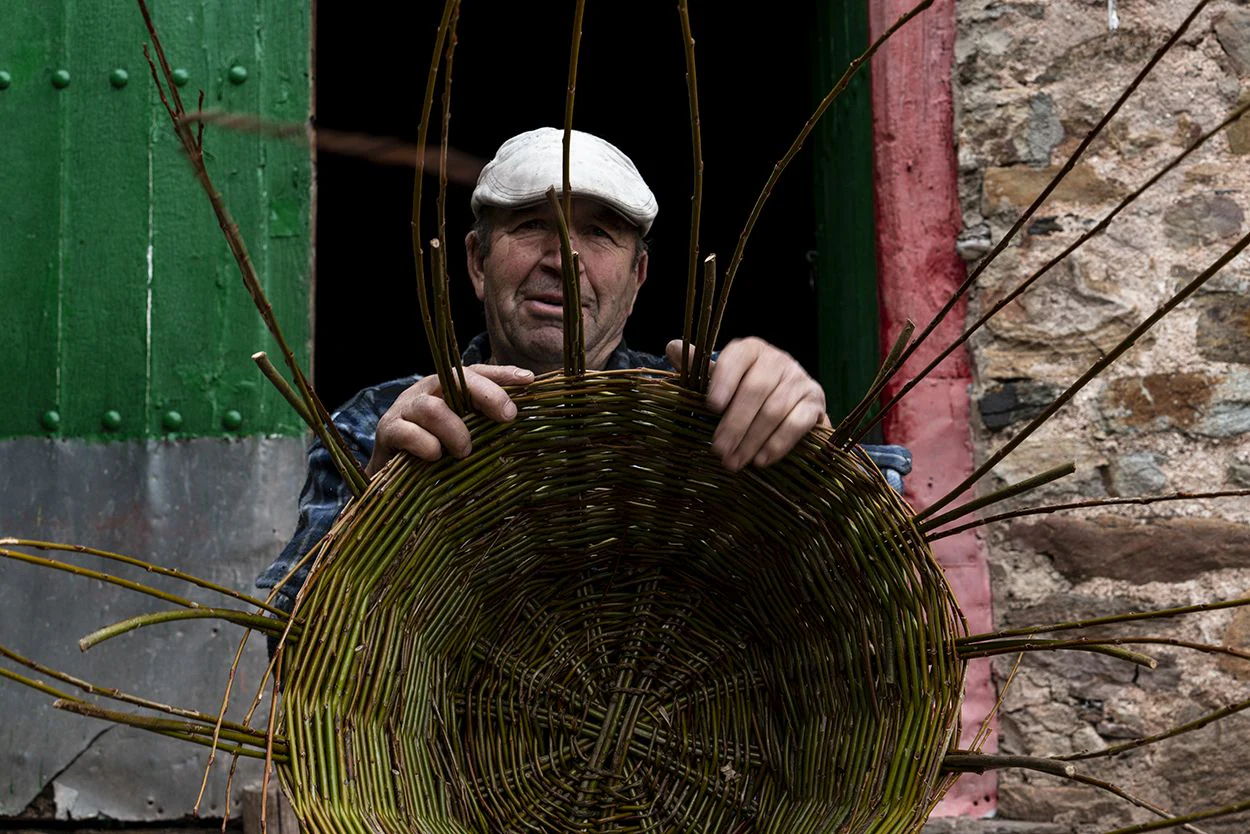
{"points": [[893, 461]]}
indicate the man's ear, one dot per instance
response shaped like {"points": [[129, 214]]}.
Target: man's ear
{"points": [[640, 276], [476, 264]]}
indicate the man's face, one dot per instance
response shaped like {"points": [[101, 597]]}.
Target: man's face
{"points": [[520, 284]]}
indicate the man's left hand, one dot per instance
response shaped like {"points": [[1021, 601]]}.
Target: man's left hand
{"points": [[766, 400]]}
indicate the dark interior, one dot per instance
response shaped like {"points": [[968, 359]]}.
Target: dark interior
{"points": [[510, 73]]}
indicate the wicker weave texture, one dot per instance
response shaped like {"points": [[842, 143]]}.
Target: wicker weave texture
{"points": [[591, 626]]}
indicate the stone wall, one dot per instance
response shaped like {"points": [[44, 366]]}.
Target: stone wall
{"points": [[1173, 414]]}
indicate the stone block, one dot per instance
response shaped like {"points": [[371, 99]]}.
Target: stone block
{"points": [[1160, 550], [1157, 401], [1014, 401], [1237, 636], [1232, 30], [1044, 802], [1203, 219], [1011, 189], [1138, 473], [1224, 328]]}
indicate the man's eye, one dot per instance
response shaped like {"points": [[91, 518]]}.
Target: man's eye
{"points": [[534, 224], [599, 231]]}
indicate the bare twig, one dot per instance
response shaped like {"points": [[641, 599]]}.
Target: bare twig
{"points": [[438, 350], [696, 203], [462, 168], [324, 426], [979, 763], [1003, 494], [1084, 505]]}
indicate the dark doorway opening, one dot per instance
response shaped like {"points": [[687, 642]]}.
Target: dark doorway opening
{"points": [[510, 70]]}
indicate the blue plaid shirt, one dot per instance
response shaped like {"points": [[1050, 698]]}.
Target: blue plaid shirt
{"points": [[325, 493]]}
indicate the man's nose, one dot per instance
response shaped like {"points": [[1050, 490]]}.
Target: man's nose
{"points": [[552, 255]]}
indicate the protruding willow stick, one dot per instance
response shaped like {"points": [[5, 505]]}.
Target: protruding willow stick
{"points": [[438, 349], [87, 573], [1198, 816], [579, 335], [696, 201], [256, 622], [991, 648], [462, 168], [284, 388], [851, 420], [579, 12], [174, 729], [574, 344], [1084, 505], [1053, 262], [105, 691], [979, 763], [77, 705], [1003, 494], [781, 165], [147, 566], [1180, 729], [983, 732], [1093, 646], [293, 399], [270, 733], [1097, 368], [703, 344], [354, 474], [1051, 186], [444, 310], [1111, 619]]}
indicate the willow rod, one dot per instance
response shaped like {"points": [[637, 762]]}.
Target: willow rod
{"points": [[574, 344], [455, 398], [441, 278], [1085, 505], [256, 622], [1010, 491], [570, 93], [1135, 616], [848, 423], [979, 763], [193, 150], [696, 200], [173, 573]]}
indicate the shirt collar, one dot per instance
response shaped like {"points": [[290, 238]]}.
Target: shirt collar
{"points": [[478, 352]]}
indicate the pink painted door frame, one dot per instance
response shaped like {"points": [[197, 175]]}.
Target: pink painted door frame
{"points": [[918, 220]]}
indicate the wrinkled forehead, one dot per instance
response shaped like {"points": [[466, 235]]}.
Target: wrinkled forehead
{"points": [[584, 208]]}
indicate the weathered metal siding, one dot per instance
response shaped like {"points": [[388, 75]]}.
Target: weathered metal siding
{"points": [[125, 320], [217, 508], [124, 313]]}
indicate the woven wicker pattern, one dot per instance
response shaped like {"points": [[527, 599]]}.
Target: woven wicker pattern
{"points": [[590, 625]]}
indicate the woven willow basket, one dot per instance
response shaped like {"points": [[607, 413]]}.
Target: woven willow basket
{"points": [[589, 625]]}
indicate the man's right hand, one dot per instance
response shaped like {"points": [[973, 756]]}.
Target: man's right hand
{"points": [[422, 424]]}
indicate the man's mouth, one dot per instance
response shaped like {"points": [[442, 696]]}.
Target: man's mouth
{"points": [[544, 305]]}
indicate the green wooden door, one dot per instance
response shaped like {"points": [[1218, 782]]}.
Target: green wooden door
{"points": [[124, 316], [846, 267]]}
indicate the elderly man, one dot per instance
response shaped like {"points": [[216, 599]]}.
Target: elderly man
{"points": [[766, 400]]}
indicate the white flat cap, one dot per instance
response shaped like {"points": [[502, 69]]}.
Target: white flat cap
{"points": [[527, 165]]}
